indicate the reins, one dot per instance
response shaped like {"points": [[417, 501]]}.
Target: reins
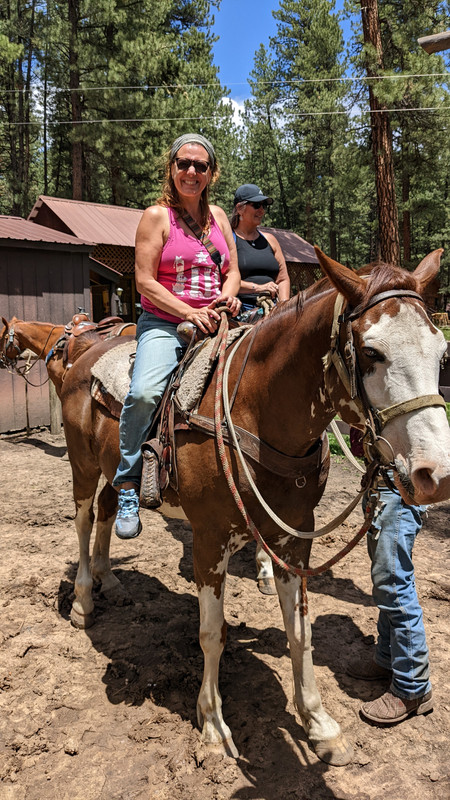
{"points": [[350, 376], [367, 481]]}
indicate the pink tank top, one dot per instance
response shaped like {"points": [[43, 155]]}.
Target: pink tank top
{"points": [[187, 270]]}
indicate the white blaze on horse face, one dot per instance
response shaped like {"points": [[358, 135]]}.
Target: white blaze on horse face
{"points": [[411, 349]]}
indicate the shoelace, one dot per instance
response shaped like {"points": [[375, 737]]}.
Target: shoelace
{"points": [[128, 504]]}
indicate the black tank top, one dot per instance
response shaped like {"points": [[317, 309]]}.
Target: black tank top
{"points": [[256, 260]]}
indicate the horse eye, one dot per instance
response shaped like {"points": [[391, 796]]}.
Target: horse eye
{"points": [[373, 354]]}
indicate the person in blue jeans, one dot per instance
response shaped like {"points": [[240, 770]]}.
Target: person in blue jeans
{"points": [[401, 652], [181, 275]]}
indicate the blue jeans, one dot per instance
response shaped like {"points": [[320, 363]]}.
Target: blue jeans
{"points": [[158, 351], [401, 644]]}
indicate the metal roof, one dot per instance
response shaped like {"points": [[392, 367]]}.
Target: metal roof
{"points": [[116, 225], [295, 249], [102, 224], [21, 229]]}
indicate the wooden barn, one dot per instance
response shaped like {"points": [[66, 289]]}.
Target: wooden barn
{"points": [[44, 275]]}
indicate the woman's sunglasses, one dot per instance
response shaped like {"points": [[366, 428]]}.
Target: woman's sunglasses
{"points": [[263, 204], [183, 164]]}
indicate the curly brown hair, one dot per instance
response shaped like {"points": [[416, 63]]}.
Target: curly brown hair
{"points": [[170, 197]]}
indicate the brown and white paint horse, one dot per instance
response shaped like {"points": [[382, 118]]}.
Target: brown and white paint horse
{"points": [[282, 398]]}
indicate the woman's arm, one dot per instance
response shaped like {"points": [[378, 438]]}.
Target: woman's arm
{"points": [[232, 279], [283, 281], [151, 235]]}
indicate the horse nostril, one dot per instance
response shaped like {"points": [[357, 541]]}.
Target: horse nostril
{"points": [[424, 482]]}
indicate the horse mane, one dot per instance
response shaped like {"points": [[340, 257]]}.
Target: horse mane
{"points": [[381, 277]]}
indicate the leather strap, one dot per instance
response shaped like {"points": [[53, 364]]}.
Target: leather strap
{"points": [[262, 453], [196, 229], [385, 415]]}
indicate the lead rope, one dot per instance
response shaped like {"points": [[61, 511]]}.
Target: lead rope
{"points": [[298, 571]]}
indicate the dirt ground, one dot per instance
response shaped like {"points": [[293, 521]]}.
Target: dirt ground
{"points": [[109, 713]]}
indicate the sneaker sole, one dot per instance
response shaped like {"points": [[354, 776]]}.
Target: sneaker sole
{"points": [[129, 536]]}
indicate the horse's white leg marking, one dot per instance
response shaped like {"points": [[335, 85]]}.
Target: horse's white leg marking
{"points": [[318, 725], [212, 641], [264, 564], [100, 563], [83, 603]]}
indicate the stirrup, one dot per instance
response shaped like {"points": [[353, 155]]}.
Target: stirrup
{"points": [[150, 492]]}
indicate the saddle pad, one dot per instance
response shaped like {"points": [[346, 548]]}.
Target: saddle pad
{"points": [[113, 371], [196, 373]]}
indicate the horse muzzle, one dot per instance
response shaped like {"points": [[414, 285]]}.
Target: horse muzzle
{"points": [[426, 482]]}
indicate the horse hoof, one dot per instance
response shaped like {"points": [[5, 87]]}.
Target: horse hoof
{"points": [[81, 621], [117, 596], [267, 585], [337, 752]]}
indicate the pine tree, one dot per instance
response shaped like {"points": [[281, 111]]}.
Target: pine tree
{"points": [[308, 57], [18, 135]]}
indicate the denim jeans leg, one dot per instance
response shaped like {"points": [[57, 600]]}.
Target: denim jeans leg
{"points": [[401, 641], [158, 352]]}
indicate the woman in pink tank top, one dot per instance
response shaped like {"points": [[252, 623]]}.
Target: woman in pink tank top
{"points": [[180, 277]]}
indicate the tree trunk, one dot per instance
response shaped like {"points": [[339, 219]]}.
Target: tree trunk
{"points": [[276, 159], [74, 83], [389, 244], [406, 216]]}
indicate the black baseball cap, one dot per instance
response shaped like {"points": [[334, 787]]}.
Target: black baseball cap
{"points": [[251, 193]]}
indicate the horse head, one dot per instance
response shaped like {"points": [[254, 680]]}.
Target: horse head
{"points": [[389, 372], [10, 349]]}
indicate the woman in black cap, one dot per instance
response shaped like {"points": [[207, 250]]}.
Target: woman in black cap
{"points": [[261, 262]]}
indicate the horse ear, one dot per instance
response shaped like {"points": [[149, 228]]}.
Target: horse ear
{"points": [[5, 322], [428, 269], [347, 282]]}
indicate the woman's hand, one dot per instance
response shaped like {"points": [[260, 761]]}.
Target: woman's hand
{"points": [[271, 287], [230, 301], [204, 318]]}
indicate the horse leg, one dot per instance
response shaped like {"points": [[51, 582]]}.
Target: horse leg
{"points": [[81, 614], [264, 566], [215, 732], [322, 730], [100, 563]]}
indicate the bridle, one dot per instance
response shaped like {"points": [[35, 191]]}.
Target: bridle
{"points": [[345, 361], [10, 362]]}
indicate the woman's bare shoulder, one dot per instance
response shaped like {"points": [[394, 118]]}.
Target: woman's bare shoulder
{"points": [[218, 213], [273, 241], [154, 218]]}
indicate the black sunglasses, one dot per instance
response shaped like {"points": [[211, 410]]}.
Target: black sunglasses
{"points": [[263, 204], [183, 164]]}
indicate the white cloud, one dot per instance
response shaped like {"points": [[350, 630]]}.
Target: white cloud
{"points": [[238, 110]]}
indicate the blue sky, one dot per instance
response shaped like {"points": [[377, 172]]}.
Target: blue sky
{"points": [[242, 26]]}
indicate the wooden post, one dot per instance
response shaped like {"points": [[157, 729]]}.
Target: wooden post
{"points": [[55, 410]]}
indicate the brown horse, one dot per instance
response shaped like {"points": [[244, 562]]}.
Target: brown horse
{"points": [[48, 342], [286, 398]]}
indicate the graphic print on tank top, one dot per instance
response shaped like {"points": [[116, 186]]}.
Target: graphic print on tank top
{"points": [[178, 265], [187, 270]]}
